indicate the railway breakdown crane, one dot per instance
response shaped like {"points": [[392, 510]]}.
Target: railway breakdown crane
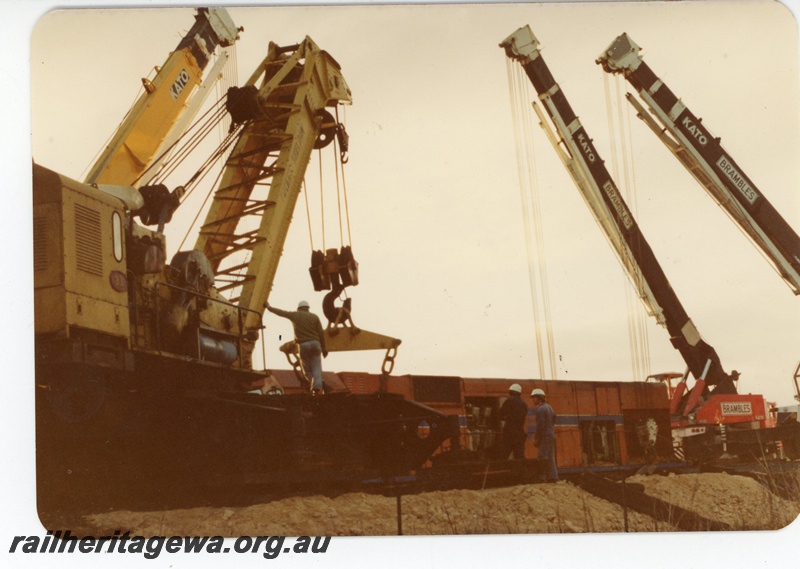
{"points": [[285, 119], [706, 422], [145, 380], [702, 154]]}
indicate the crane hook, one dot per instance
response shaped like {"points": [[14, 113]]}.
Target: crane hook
{"points": [[338, 317]]}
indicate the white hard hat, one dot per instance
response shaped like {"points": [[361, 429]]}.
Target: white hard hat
{"points": [[303, 304], [537, 391], [516, 388]]}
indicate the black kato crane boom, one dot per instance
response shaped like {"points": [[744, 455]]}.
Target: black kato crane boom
{"points": [[609, 208], [702, 154]]}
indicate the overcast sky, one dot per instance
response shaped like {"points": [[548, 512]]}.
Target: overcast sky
{"points": [[432, 177]]}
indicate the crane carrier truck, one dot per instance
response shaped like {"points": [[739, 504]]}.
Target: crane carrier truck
{"points": [[707, 423]]}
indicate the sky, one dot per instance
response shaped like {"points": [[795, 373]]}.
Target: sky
{"points": [[432, 178], [432, 182]]}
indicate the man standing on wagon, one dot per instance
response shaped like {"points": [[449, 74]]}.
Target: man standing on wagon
{"points": [[309, 335]]}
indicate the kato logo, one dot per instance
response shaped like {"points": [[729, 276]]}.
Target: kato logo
{"points": [[179, 84], [694, 130], [587, 149], [738, 408]]}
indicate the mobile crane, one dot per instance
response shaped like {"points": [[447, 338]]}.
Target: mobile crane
{"points": [[701, 153], [145, 382], [700, 418], [169, 102]]}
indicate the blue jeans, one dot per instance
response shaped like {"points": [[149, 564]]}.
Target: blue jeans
{"points": [[547, 451], [311, 354]]}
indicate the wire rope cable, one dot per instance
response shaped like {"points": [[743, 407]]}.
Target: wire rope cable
{"points": [[622, 167], [522, 118], [344, 182]]}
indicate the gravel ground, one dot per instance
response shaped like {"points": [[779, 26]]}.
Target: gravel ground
{"points": [[738, 501]]}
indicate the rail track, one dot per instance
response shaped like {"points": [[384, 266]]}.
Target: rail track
{"points": [[607, 482]]}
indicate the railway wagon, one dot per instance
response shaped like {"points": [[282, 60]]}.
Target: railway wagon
{"points": [[600, 425]]}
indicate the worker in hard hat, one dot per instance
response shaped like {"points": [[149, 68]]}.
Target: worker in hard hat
{"points": [[514, 414], [545, 437], [309, 335]]}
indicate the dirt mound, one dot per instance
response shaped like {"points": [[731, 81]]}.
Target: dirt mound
{"points": [[546, 508], [739, 501]]}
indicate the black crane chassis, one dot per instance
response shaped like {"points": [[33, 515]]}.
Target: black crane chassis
{"points": [[156, 428]]}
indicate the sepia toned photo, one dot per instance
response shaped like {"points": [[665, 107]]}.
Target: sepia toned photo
{"points": [[416, 269]]}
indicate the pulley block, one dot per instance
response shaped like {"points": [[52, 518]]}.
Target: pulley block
{"points": [[333, 267], [327, 130]]}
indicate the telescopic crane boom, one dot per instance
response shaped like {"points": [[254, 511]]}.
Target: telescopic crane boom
{"points": [[169, 102], [610, 210], [702, 155]]}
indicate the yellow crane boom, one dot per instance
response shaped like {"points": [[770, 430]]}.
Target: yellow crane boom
{"points": [[170, 100], [285, 116]]}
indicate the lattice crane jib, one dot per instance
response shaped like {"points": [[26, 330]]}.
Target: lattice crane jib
{"points": [[261, 181]]}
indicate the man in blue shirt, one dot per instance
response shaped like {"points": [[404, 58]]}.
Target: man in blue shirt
{"points": [[545, 439]]}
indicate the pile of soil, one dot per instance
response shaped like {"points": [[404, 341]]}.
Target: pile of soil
{"points": [[738, 501]]}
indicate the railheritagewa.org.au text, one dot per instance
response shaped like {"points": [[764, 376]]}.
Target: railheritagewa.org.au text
{"points": [[63, 542]]}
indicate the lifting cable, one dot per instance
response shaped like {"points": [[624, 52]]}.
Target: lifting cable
{"points": [[189, 141], [321, 198], [343, 210], [201, 173], [191, 144], [626, 137], [308, 214], [338, 192], [202, 128], [539, 225], [638, 341], [522, 119], [524, 196], [228, 78], [339, 148], [341, 192], [340, 164], [340, 168], [200, 210]]}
